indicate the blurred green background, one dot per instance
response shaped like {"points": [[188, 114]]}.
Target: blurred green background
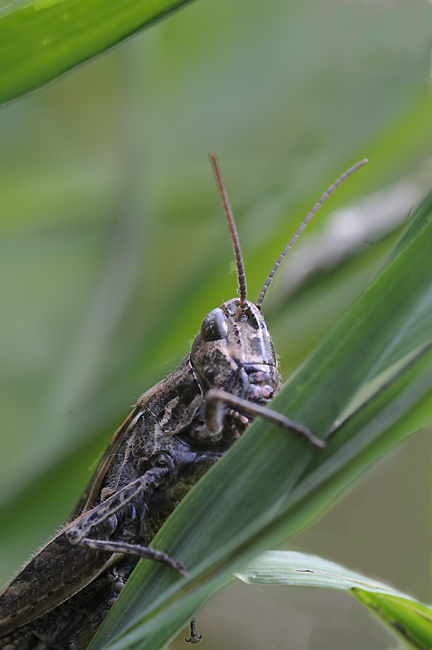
{"points": [[114, 247]]}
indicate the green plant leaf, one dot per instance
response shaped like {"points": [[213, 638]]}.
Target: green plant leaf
{"points": [[408, 618], [42, 39], [270, 483], [304, 570]]}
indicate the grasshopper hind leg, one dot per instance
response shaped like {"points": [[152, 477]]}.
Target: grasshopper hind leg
{"points": [[194, 636]]}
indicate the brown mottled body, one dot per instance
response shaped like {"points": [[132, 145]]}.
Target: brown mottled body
{"points": [[60, 598]]}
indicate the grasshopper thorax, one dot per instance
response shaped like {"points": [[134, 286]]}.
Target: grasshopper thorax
{"points": [[234, 351]]}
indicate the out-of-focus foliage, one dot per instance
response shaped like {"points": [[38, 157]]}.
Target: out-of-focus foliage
{"points": [[114, 246], [40, 40]]}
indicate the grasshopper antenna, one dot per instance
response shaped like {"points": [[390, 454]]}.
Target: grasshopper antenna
{"points": [[303, 225], [241, 277]]}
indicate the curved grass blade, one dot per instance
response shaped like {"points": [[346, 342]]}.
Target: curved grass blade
{"points": [[408, 618], [305, 570], [157, 599], [270, 484], [40, 40]]}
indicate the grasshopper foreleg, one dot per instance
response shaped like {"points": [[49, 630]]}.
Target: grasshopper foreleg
{"points": [[78, 532], [135, 549], [216, 399]]}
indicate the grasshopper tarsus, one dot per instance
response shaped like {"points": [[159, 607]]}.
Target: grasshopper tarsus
{"points": [[194, 636]]}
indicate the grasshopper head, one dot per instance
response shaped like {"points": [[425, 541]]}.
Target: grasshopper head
{"points": [[234, 351]]}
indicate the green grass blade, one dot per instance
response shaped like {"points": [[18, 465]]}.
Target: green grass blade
{"points": [[408, 618], [418, 325], [304, 570], [43, 39]]}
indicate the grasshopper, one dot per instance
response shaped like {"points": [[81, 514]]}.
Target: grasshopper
{"points": [[176, 432]]}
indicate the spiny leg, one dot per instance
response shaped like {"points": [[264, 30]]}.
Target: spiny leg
{"points": [[78, 531], [135, 549], [217, 398]]}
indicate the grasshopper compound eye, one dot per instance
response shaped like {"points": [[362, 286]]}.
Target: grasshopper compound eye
{"points": [[214, 326]]}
